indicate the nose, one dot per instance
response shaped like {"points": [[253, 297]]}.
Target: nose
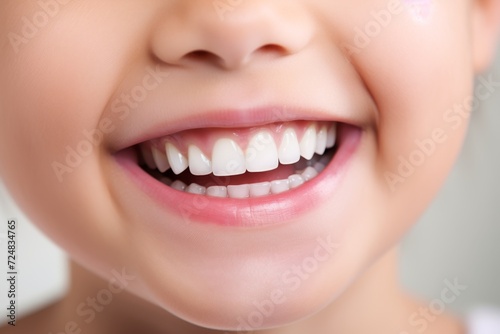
{"points": [[229, 34]]}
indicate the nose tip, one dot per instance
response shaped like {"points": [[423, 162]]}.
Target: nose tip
{"points": [[191, 33]]}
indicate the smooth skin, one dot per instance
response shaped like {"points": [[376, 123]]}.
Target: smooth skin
{"points": [[59, 80]]}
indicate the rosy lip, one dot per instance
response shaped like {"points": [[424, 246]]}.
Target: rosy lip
{"points": [[251, 212]]}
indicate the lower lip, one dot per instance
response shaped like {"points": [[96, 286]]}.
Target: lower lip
{"points": [[250, 212]]}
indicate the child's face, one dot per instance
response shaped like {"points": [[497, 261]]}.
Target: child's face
{"points": [[83, 81]]}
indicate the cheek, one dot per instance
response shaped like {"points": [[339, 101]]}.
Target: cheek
{"points": [[433, 75], [56, 84], [42, 114], [45, 109], [53, 92], [415, 82], [417, 72]]}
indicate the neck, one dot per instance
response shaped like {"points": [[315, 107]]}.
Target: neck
{"points": [[374, 303]]}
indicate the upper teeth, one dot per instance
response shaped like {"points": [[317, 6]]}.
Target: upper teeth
{"points": [[227, 158]]}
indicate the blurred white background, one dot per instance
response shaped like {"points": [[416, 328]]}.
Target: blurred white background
{"points": [[458, 236]]}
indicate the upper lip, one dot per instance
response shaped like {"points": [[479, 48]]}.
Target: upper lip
{"points": [[235, 118]]}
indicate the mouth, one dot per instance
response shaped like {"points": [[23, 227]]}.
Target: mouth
{"points": [[241, 163], [248, 176]]}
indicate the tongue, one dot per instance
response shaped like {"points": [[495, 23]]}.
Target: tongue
{"points": [[282, 172]]}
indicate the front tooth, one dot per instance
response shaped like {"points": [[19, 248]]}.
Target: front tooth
{"points": [[308, 142], [217, 191], [160, 160], [321, 140], [196, 189], [261, 153], [279, 186], [289, 151], [260, 189], [199, 164], [241, 191], [177, 160], [227, 158], [331, 136]]}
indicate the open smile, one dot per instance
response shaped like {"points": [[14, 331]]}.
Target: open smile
{"points": [[241, 163], [243, 176]]}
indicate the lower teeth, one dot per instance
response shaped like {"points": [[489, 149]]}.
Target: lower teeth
{"points": [[312, 168]]}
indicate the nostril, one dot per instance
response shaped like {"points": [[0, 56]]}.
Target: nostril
{"points": [[273, 48], [233, 60], [271, 51], [202, 56]]}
